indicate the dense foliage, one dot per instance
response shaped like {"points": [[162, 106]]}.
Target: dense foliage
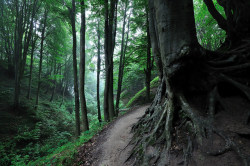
{"points": [[37, 108]]}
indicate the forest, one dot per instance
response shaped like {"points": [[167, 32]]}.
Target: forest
{"points": [[125, 82]]}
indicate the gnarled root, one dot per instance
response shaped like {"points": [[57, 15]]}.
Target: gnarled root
{"points": [[171, 117], [206, 125]]}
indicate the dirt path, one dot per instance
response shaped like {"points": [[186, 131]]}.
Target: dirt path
{"points": [[107, 149], [118, 138]]}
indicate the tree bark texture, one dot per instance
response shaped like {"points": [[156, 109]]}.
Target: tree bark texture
{"points": [[194, 85]]}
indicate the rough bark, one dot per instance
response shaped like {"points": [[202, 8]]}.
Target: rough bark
{"points": [[191, 78], [154, 39], [82, 69]]}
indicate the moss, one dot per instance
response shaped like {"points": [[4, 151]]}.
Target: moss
{"points": [[139, 97], [124, 94], [154, 83]]}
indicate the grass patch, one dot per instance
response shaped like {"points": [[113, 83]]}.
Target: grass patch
{"points": [[142, 93]]}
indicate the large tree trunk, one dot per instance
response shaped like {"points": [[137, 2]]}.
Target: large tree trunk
{"points": [[197, 87], [82, 69], [76, 91]]}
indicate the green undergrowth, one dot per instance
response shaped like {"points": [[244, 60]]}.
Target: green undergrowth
{"points": [[28, 134], [139, 98], [65, 154], [44, 136]]}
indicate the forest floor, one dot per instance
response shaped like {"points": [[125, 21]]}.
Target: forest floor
{"points": [[109, 148]]}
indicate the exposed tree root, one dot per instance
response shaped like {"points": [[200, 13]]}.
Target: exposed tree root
{"points": [[203, 123], [172, 119]]}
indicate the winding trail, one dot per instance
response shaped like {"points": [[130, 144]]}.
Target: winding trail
{"points": [[109, 148], [115, 151]]}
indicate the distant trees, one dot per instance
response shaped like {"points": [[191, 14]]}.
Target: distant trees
{"points": [[43, 36], [41, 55], [17, 40], [33, 46]]}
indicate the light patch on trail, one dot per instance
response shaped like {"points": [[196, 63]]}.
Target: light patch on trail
{"points": [[118, 137]]}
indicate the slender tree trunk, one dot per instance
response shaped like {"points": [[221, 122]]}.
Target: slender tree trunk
{"points": [[82, 69], [28, 36], [119, 86], [7, 38], [31, 65], [76, 91], [106, 104], [41, 57], [98, 72]]}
